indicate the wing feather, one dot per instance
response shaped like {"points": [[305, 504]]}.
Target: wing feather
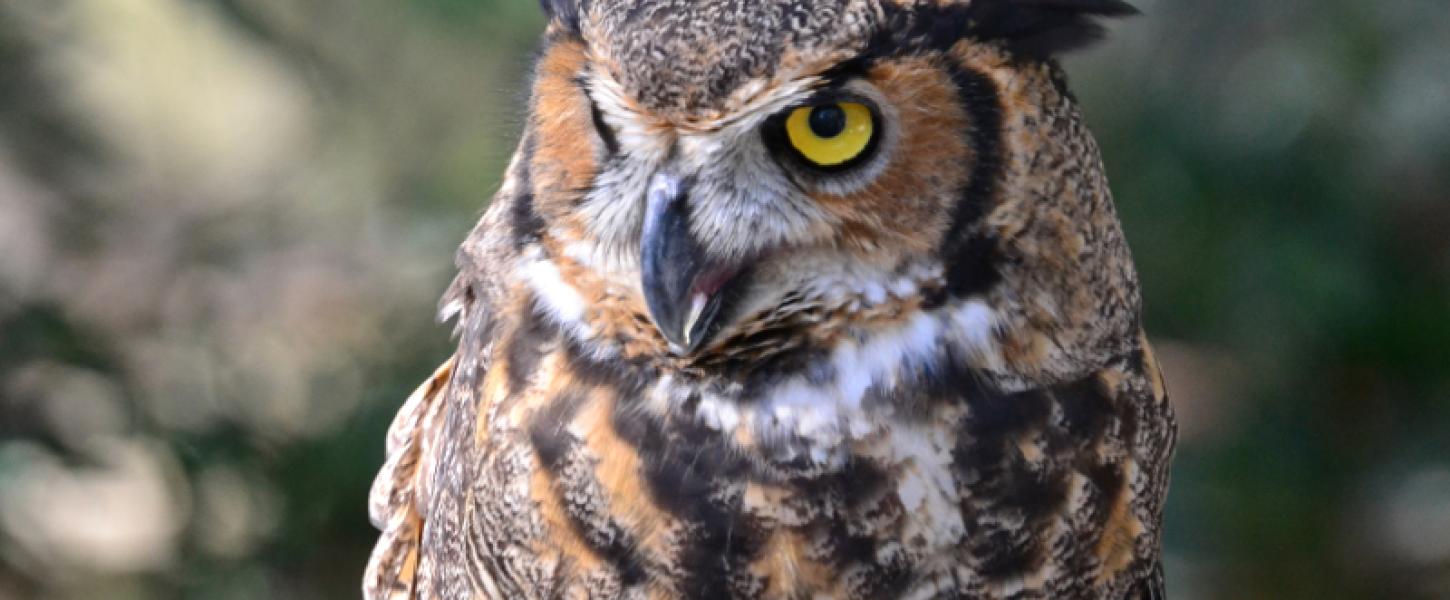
{"points": [[1151, 586], [395, 504], [407, 485]]}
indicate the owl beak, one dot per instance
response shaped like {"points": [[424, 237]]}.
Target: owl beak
{"points": [[682, 286]]}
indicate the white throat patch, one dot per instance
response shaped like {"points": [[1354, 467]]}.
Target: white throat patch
{"points": [[824, 408]]}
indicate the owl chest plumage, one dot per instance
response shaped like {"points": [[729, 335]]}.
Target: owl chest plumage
{"points": [[572, 475]]}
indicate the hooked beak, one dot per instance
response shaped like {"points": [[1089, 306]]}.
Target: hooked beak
{"points": [[682, 286]]}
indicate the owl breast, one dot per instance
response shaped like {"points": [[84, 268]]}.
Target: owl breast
{"points": [[608, 477]]}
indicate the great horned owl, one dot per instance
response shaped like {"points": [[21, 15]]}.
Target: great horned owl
{"points": [[790, 299]]}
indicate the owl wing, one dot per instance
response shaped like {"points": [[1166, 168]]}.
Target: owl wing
{"points": [[1151, 586], [398, 496], [1154, 447], [419, 470]]}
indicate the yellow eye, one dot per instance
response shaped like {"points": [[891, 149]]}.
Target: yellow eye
{"points": [[830, 135]]}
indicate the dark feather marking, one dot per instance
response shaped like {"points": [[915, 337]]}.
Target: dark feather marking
{"points": [[565, 12], [1032, 29], [684, 464], [627, 378], [933, 298], [585, 505], [812, 362], [1004, 414], [525, 221], [1038, 494], [606, 133], [1088, 414], [684, 467], [858, 487], [567, 463], [1004, 552], [1150, 587], [951, 379], [870, 578], [1002, 483], [1043, 28], [1086, 410], [969, 252], [549, 430], [527, 346]]}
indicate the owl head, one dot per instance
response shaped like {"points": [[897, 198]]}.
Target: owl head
{"points": [[716, 184]]}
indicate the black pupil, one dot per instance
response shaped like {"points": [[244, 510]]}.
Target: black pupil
{"points": [[828, 121]]}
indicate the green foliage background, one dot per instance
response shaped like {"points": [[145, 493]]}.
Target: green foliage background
{"points": [[224, 224]]}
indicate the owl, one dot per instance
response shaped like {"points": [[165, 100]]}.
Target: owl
{"points": [[790, 299]]}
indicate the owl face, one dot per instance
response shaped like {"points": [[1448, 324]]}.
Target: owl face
{"points": [[702, 172]]}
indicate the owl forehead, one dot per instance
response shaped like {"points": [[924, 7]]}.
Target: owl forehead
{"points": [[696, 57]]}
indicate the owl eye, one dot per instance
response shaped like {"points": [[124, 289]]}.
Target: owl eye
{"points": [[831, 135]]}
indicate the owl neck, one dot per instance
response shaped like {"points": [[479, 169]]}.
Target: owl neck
{"points": [[811, 370]]}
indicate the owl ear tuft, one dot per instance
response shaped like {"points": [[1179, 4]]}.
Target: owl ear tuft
{"points": [[564, 13], [1044, 28]]}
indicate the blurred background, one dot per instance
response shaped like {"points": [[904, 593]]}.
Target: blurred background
{"points": [[224, 225]]}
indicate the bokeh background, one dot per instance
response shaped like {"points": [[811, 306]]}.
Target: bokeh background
{"points": [[224, 225]]}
